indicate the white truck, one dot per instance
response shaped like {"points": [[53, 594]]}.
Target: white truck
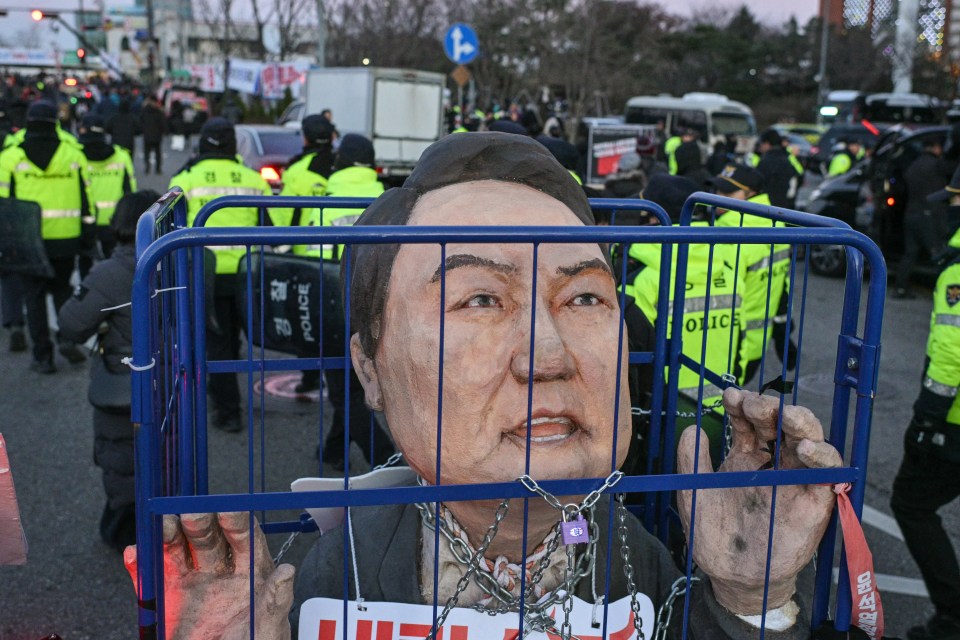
{"points": [[400, 110]]}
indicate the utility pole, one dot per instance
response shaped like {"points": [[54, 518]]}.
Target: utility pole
{"points": [[321, 34], [906, 45], [151, 46], [823, 85]]}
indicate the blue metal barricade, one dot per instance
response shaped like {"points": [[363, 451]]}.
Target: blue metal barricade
{"points": [[170, 367]]}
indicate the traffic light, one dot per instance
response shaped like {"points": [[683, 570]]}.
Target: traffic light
{"points": [[82, 55]]}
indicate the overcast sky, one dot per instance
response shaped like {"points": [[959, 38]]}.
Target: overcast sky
{"points": [[772, 12], [769, 11]]}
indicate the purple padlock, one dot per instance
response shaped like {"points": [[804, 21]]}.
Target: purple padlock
{"points": [[575, 532]]}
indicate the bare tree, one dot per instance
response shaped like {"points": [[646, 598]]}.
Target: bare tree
{"points": [[295, 20], [260, 22]]}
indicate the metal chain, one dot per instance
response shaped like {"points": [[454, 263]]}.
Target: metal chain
{"points": [[588, 502], [285, 547], [628, 567], [472, 567], [536, 615], [678, 589], [507, 601], [392, 460], [704, 410]]}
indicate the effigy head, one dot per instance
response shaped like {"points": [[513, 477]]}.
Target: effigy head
{"points": [[505, 340]]}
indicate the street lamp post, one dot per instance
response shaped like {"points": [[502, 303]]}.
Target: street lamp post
{"points": [[152, 46], [824, 47]]}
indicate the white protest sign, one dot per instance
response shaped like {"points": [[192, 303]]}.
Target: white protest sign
{"points": [[322, 618], [244, 75]]}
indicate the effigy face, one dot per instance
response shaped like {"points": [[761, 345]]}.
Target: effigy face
{"points": [[488, 302]]}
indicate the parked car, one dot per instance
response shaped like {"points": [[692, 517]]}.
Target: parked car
{"points": [[845, 197], [871, 197], [268, 149]]}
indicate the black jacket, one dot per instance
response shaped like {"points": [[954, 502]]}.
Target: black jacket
{"points": [[925, 175], [123, 128], [781, 180], [153, 124]]}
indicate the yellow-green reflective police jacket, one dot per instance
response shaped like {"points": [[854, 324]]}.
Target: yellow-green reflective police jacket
{"points": [[754, 267], [351, 182], [943, 346], [61, 190], [110, 179], [722, 307], [299, 180], [215, 177], [15, 138], [670, 150]]}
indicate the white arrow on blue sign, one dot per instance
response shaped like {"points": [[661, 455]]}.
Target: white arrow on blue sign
{"points": [[461, 43]]}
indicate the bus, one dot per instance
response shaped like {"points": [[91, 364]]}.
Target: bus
{"points": [[848, 106], [714, 116]]}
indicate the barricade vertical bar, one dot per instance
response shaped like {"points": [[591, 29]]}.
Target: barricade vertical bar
{"points": [[144, 423], [186, 418], [346, 463], [622, 296], [838, 427], [200, 312], [439, 478], [698, 423], [676, 344], [766, 317], [531, 364], [322, 372], [654, 453]]}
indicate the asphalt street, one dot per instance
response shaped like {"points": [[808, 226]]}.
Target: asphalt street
{"points": [[75, 586]]}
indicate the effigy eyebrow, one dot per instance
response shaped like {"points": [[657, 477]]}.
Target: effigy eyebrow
{"points": [[469, 260], [595, 263]]}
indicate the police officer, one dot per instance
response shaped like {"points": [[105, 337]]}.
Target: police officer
{"points": [[354, 176], [722, 324], [781, 176], [51, 173], [755, 264], [851, 153], [923, 218], [929, 475], [110, 171], [217, 172], [307, 173], [670, 146]]}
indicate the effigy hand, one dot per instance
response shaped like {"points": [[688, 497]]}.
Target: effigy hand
{"points": [[732, 525], [207, 577]]}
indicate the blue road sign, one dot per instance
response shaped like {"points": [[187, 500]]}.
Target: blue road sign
{"points": [[461, 44]]}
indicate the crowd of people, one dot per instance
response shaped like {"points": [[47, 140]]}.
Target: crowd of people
{"points": [[88, 202]]}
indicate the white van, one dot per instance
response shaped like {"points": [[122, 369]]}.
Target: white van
{"points": [[714, 115]]}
